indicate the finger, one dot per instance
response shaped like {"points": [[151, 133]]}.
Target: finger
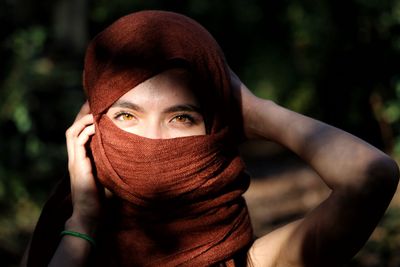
{"points": [[80, 163], [70, 149], [85, 110], [72, 133], [78, 126], [80, 142], [85, 134]]}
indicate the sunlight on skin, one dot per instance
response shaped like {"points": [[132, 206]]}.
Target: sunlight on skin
{"points": [[159, 108]]}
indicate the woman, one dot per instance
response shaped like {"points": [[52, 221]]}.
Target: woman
{"points": [[161, 183]]}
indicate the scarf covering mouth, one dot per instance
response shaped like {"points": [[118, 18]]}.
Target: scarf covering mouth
{"points": [[177, 202]]}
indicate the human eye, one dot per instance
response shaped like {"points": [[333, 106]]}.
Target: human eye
{"points": [[123, 116], [186, 119], [183, 118]]}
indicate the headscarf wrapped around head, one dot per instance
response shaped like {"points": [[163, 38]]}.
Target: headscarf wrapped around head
{"points": [[177, 202], [143, 44]]}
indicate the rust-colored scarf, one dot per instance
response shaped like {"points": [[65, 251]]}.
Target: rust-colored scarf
{"points": [[176, 201]]}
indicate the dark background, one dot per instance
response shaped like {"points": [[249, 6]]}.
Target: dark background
{"points": [[337, 61]]}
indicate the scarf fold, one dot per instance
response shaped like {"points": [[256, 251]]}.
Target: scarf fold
{"points": [[177, 202]]}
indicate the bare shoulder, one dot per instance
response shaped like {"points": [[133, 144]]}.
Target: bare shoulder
{"points": [[269, 250]]}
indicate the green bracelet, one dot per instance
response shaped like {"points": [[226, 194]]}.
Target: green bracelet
{"points": [[80, 235]]}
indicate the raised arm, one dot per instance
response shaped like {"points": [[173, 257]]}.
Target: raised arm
{"points": [[86, 195], [362, 178]]}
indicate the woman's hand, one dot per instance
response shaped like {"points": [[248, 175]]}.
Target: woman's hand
{"points": [[86, 192], [250, 105]]}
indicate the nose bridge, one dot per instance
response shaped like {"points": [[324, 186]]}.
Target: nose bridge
{"points": [[153, 128]]}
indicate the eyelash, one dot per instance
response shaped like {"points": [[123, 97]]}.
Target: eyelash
{"points": [[191, 119], [121, 113], [185, 116]]}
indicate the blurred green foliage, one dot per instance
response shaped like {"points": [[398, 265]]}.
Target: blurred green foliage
{"points": [[334, 60]]}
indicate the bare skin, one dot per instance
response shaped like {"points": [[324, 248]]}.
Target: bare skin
{"points": [[362, 178], [161, 107]]}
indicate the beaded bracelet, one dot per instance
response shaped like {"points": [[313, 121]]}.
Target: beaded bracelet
{"points": [[80, 235]]}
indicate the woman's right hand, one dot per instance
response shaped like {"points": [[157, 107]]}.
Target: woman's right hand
{"points": [[86, 192]]}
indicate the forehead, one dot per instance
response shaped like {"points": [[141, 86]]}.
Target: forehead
{"points": [[171, 84]]}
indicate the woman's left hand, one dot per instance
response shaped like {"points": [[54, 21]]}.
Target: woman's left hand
{"points": [[249, 104]]}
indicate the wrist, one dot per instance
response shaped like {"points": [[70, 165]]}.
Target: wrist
{"points": [[259, 123], [78, 224]]}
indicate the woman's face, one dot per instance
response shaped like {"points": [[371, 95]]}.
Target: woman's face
{"points": [[161, 107]]}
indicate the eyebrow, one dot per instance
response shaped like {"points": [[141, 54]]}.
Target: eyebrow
{"points": [[176, 108], [185, 107], [127, 104]]}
